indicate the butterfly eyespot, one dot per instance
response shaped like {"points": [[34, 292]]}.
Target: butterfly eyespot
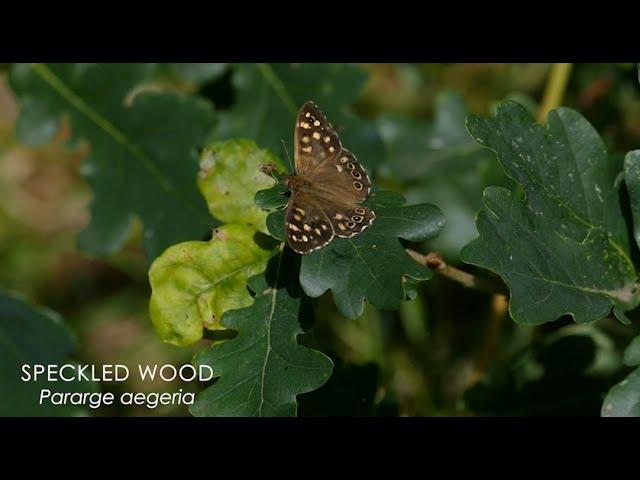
{"points": [[357, 185], [351, 224], [356, 218], [355, 174], [360, 211], [350, 166]]}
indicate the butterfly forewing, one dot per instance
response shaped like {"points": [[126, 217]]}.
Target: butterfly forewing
{"points": [[328, 186], [315, 139]]}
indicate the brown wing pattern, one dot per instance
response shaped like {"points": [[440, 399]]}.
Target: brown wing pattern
{"points": [[306, 225], [314, 138], [329, 185]]}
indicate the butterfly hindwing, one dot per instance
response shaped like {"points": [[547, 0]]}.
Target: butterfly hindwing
{"points": [[349, 220], [306, 226]]}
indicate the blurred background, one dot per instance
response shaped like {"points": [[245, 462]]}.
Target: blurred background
{"points": [[449, 351]]}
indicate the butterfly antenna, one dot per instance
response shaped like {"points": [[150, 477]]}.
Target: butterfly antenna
{"points": [[284, 145]]}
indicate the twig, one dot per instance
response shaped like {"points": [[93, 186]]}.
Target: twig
{"points": [[499, 308], [435, 262], [554, 91]]}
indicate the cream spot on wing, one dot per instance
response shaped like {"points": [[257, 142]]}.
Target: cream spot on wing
{"points": [[316, 123], [318, 231], [306, 227], [344, 159], [316, 135], [327, 139], [331, 149], [324, 227], [300, 210], [297, 217], [339, 168], [306, 149], [293, 227], [305, 125], [305, 139], [305, 238], [307, 114], [341, 226], [339, 216]]}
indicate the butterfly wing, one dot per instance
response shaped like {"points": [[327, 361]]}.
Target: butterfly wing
{"points": [[335, 184], [347, 219], [314, 138], [307, 226]]}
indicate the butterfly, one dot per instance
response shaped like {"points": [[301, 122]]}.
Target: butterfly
{"points": [[327, 187]]}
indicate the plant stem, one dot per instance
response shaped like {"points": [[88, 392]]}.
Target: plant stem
{"points": [[435, 262], [554, 91], [499, 308]]}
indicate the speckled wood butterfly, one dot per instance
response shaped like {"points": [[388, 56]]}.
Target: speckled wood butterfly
{"points": [[327, 188]]}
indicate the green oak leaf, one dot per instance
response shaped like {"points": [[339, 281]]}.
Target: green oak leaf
{"points": [[263, 369], [143, 148], [32, 335], [229, 178], [632, 180], [194, 283], [564, 250], [623, 400], [269, 96], [372, 264]]}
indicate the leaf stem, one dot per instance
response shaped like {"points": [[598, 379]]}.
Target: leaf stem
{"points": [[555, 89], [277, 85], [435, 262]]}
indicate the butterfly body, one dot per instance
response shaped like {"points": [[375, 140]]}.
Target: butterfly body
{"points": [[327, 188]]}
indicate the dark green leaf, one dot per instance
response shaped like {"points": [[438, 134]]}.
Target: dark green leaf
{"points": [[623, 400], [30, 335], [274, 197], [632, 180], [372, 264], [269, 96], [263, 369], [565, 249], [143, 157]]}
